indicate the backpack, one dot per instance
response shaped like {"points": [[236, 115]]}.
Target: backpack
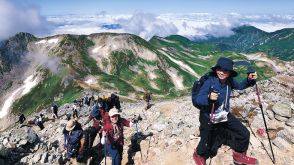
{"points": [[73, 143], [197, 85]]}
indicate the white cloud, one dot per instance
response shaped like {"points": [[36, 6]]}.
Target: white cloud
{"points": [[147, 25], [15, 19]]}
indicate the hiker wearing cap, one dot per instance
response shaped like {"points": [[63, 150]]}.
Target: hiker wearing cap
{"points": [[96, 117], [73, 141], [112, 133], [217, 125]]}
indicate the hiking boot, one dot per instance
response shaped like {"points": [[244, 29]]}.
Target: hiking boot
{"points": [[199, 160], [242, 159]]}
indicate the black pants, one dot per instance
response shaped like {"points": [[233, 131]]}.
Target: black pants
{"points": [[90, 136], [232, 133]]}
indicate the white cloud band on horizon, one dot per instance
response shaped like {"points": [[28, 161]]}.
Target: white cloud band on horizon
{"points": [[193, 25], [15, 18]]}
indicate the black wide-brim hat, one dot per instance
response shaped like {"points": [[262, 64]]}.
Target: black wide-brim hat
{"points": [[226, 64]]}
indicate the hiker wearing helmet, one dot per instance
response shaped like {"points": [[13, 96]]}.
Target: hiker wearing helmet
{"points": [[73, 141], [113, 135], [217, 125]]}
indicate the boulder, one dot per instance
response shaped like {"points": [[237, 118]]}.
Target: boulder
{"points": [[287, 134], [36, 158], [44, 157], [282, 109], [282, 144], [32, 137], [22, 142], [290, 122], [8, 144], [280, 118]]}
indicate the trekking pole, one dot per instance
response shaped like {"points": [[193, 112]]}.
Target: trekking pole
{"points": [[137, 139], [105, 150], [260, 105], [211, 113]]}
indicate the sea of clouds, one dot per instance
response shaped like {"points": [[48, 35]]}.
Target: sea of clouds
{"points": [[15, 19]]}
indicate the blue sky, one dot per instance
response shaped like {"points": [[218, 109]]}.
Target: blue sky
{"points": [[145, 18], [56, 7]]}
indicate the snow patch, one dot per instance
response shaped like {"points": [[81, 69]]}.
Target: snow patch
{"points": [[53, 41], [106, 44], [184, 66], [41, 42], [90, 80], [177, 80], [50, 41], [95, 50], [29, 83]]}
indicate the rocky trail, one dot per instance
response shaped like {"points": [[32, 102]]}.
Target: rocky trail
{"points": [[175, 127]]}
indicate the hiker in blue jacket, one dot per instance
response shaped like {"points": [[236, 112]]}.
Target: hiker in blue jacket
{"points": [[217, 125]]}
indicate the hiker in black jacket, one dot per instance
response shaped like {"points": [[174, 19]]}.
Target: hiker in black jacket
{"points": [[217, 125]]}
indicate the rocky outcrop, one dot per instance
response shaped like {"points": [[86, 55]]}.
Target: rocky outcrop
{"points": [[175, 128]]}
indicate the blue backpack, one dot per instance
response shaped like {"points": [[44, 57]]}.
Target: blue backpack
{"points": [[197, 85]]}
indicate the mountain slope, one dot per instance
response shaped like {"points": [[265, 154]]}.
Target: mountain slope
{"points": [[106, 62], [249, 39]]}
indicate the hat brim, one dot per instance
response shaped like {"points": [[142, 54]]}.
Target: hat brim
{"points": [[70, 128], [233, 73], [114, 114]]}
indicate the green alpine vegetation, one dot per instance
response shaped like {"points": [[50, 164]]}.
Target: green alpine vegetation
{"points": [[128, 64]]}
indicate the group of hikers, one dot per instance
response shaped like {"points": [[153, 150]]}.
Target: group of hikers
{"points": [[210, 94], [106, 122]]}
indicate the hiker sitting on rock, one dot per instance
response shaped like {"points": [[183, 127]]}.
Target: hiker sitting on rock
{"points": [[73, 141], [113, 134], [96, 117], [217, 125]]}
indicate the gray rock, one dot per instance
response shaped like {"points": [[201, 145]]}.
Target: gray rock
{"points": [[44, 157], [8, 144], [282, 109], [160, 126], [24, 160], [36, 158], [36, 147], [270, 114], [22, 142], [50, 159], [31, 135], [287, 134], [280, 118], [282, 144], [290, 122], [3, 151]]}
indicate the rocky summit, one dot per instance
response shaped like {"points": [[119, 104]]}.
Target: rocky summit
{"points": [[175, 130]]}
